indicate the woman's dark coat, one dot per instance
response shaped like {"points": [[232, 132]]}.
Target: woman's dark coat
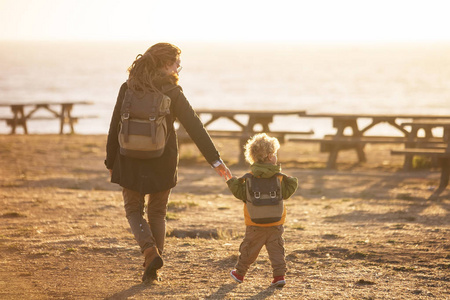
{"points": [[157, 174]]}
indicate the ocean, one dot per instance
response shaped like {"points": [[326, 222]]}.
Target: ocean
{"points": [[320, 78]]}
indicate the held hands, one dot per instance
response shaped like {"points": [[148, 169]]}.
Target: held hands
{"points": [[223, 171]]}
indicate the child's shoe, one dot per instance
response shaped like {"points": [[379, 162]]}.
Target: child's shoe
{"points": [[278, 281], [236, 276]]}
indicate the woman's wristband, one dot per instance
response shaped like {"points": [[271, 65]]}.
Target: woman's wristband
{"points": [[217, 163]]}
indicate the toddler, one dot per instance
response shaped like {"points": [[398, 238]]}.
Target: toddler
{"points": [[263, 230]]}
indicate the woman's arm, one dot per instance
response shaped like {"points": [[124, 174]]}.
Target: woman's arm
{"points": [[112, 144], [184, 112]]}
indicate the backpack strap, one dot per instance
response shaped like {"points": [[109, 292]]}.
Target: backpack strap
{"points": [[126, 115], [153, 114], [282, 175], [245, 177]]}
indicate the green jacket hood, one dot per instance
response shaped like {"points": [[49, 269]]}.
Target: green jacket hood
{"points": [[265, 170]]}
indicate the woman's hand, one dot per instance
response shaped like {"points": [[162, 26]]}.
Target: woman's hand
{"points": [[223, 171], [110, 171]]}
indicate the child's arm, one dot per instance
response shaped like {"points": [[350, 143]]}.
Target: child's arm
{"points": [[288, 186], [237, 187]]}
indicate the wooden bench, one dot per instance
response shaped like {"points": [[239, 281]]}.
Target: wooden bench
{"points": [[427, 126], [436, 152], [442, 154], [46, 118], [333, 144], [22, 112], [13, 123], [345, 123]]}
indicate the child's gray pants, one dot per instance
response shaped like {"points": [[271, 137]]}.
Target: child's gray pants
{"points": [[255, 238]]}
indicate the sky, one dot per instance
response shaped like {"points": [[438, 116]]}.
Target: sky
{"points": [[227, 20]]}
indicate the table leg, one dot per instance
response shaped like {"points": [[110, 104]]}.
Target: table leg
{"points": [[61, 119], [19, 118], [446, 134], [445, 175], [340, 125], [71, 120], [331, 164], [358, 147], [407, 164], [66, 117]]}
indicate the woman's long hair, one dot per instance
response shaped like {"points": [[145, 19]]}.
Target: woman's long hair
{"points": [[145, 72]]}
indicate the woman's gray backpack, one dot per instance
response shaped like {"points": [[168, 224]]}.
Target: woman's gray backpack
{"points": [[264, 198], [143, 131]]}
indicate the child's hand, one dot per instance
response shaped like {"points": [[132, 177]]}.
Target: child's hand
{"points": [[223, 171]]}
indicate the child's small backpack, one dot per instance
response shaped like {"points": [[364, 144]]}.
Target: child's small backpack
{"points": [[143, 131], [264, 199]]}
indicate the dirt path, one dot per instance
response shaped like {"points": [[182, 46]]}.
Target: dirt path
{"points": [[360, 232]]}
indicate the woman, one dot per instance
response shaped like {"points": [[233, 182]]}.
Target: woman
{"points": [[155, 71]]}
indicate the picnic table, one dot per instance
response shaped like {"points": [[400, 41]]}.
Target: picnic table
{"points": [[358, 137], [427, 125], [245, 128], [24, 112], [435, 147]]}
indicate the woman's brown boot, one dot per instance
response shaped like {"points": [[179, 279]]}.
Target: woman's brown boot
{"points": [[153, 262]]}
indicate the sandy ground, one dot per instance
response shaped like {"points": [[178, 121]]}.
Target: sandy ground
{"points": [[363, 231]]}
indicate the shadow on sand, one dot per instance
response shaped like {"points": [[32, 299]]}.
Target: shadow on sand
{"points": [[132, 291], [266, 293], [222, 292]]}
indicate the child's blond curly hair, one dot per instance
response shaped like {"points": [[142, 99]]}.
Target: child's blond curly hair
{"points": [[259, 147]]}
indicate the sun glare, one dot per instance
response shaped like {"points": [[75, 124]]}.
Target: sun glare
{"points": [[204, 20]]}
